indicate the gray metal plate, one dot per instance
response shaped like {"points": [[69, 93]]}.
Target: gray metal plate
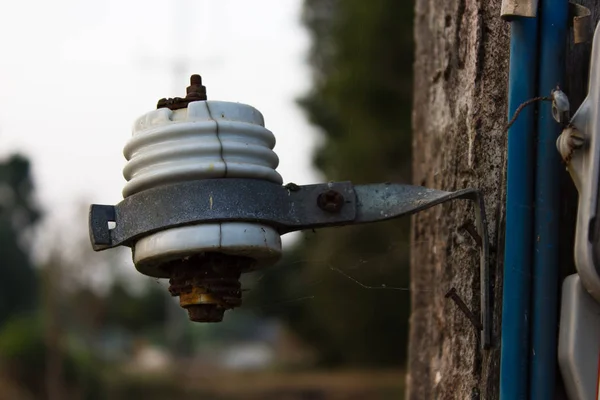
{"points": [[217, 200], [286, 208]]}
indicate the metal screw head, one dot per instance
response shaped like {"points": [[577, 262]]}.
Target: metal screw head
{"points": [[331, 201]]}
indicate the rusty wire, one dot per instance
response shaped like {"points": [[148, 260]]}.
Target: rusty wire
{"points": [[522, 106]]}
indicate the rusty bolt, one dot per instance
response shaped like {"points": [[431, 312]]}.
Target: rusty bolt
{"points": [[331, 201], [195, 92], [208, 284], [205, 313]]}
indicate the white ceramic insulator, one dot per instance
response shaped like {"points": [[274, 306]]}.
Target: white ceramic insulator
{"points": [[206, 140]]}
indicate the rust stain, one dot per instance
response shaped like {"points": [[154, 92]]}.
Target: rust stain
{"points": [[208, 284], [197, 295]]}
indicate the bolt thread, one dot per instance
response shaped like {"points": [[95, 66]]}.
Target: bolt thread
{"points": [[208, 284]]}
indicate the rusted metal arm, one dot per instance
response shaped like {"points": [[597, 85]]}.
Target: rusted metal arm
{"points": [[287, 208]]}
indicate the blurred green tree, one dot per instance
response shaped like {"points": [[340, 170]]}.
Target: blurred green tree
{"points": [[136, 312], [350, 282], [18, 213], [24, 359]]}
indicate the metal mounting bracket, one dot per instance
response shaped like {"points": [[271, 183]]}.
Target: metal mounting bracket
{"points": [[511, 9], [581, 17], [287, 208]]}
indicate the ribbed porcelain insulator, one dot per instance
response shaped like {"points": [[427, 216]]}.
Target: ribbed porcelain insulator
{"points": [[206, 140]]}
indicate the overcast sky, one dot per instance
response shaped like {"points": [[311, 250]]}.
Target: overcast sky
{"points": [[75, 75]]}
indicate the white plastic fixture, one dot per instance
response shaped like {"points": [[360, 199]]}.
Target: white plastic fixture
{"points": [[205, 140]]}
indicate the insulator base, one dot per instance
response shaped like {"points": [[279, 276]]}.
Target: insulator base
{"points": [[152, 254]]}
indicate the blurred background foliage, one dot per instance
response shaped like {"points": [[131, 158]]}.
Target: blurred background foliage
{"points": [[339, 294], [361, 59]]}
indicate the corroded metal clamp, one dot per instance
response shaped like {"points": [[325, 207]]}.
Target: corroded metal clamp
{"points": [[286, 208], [203, 203]]}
